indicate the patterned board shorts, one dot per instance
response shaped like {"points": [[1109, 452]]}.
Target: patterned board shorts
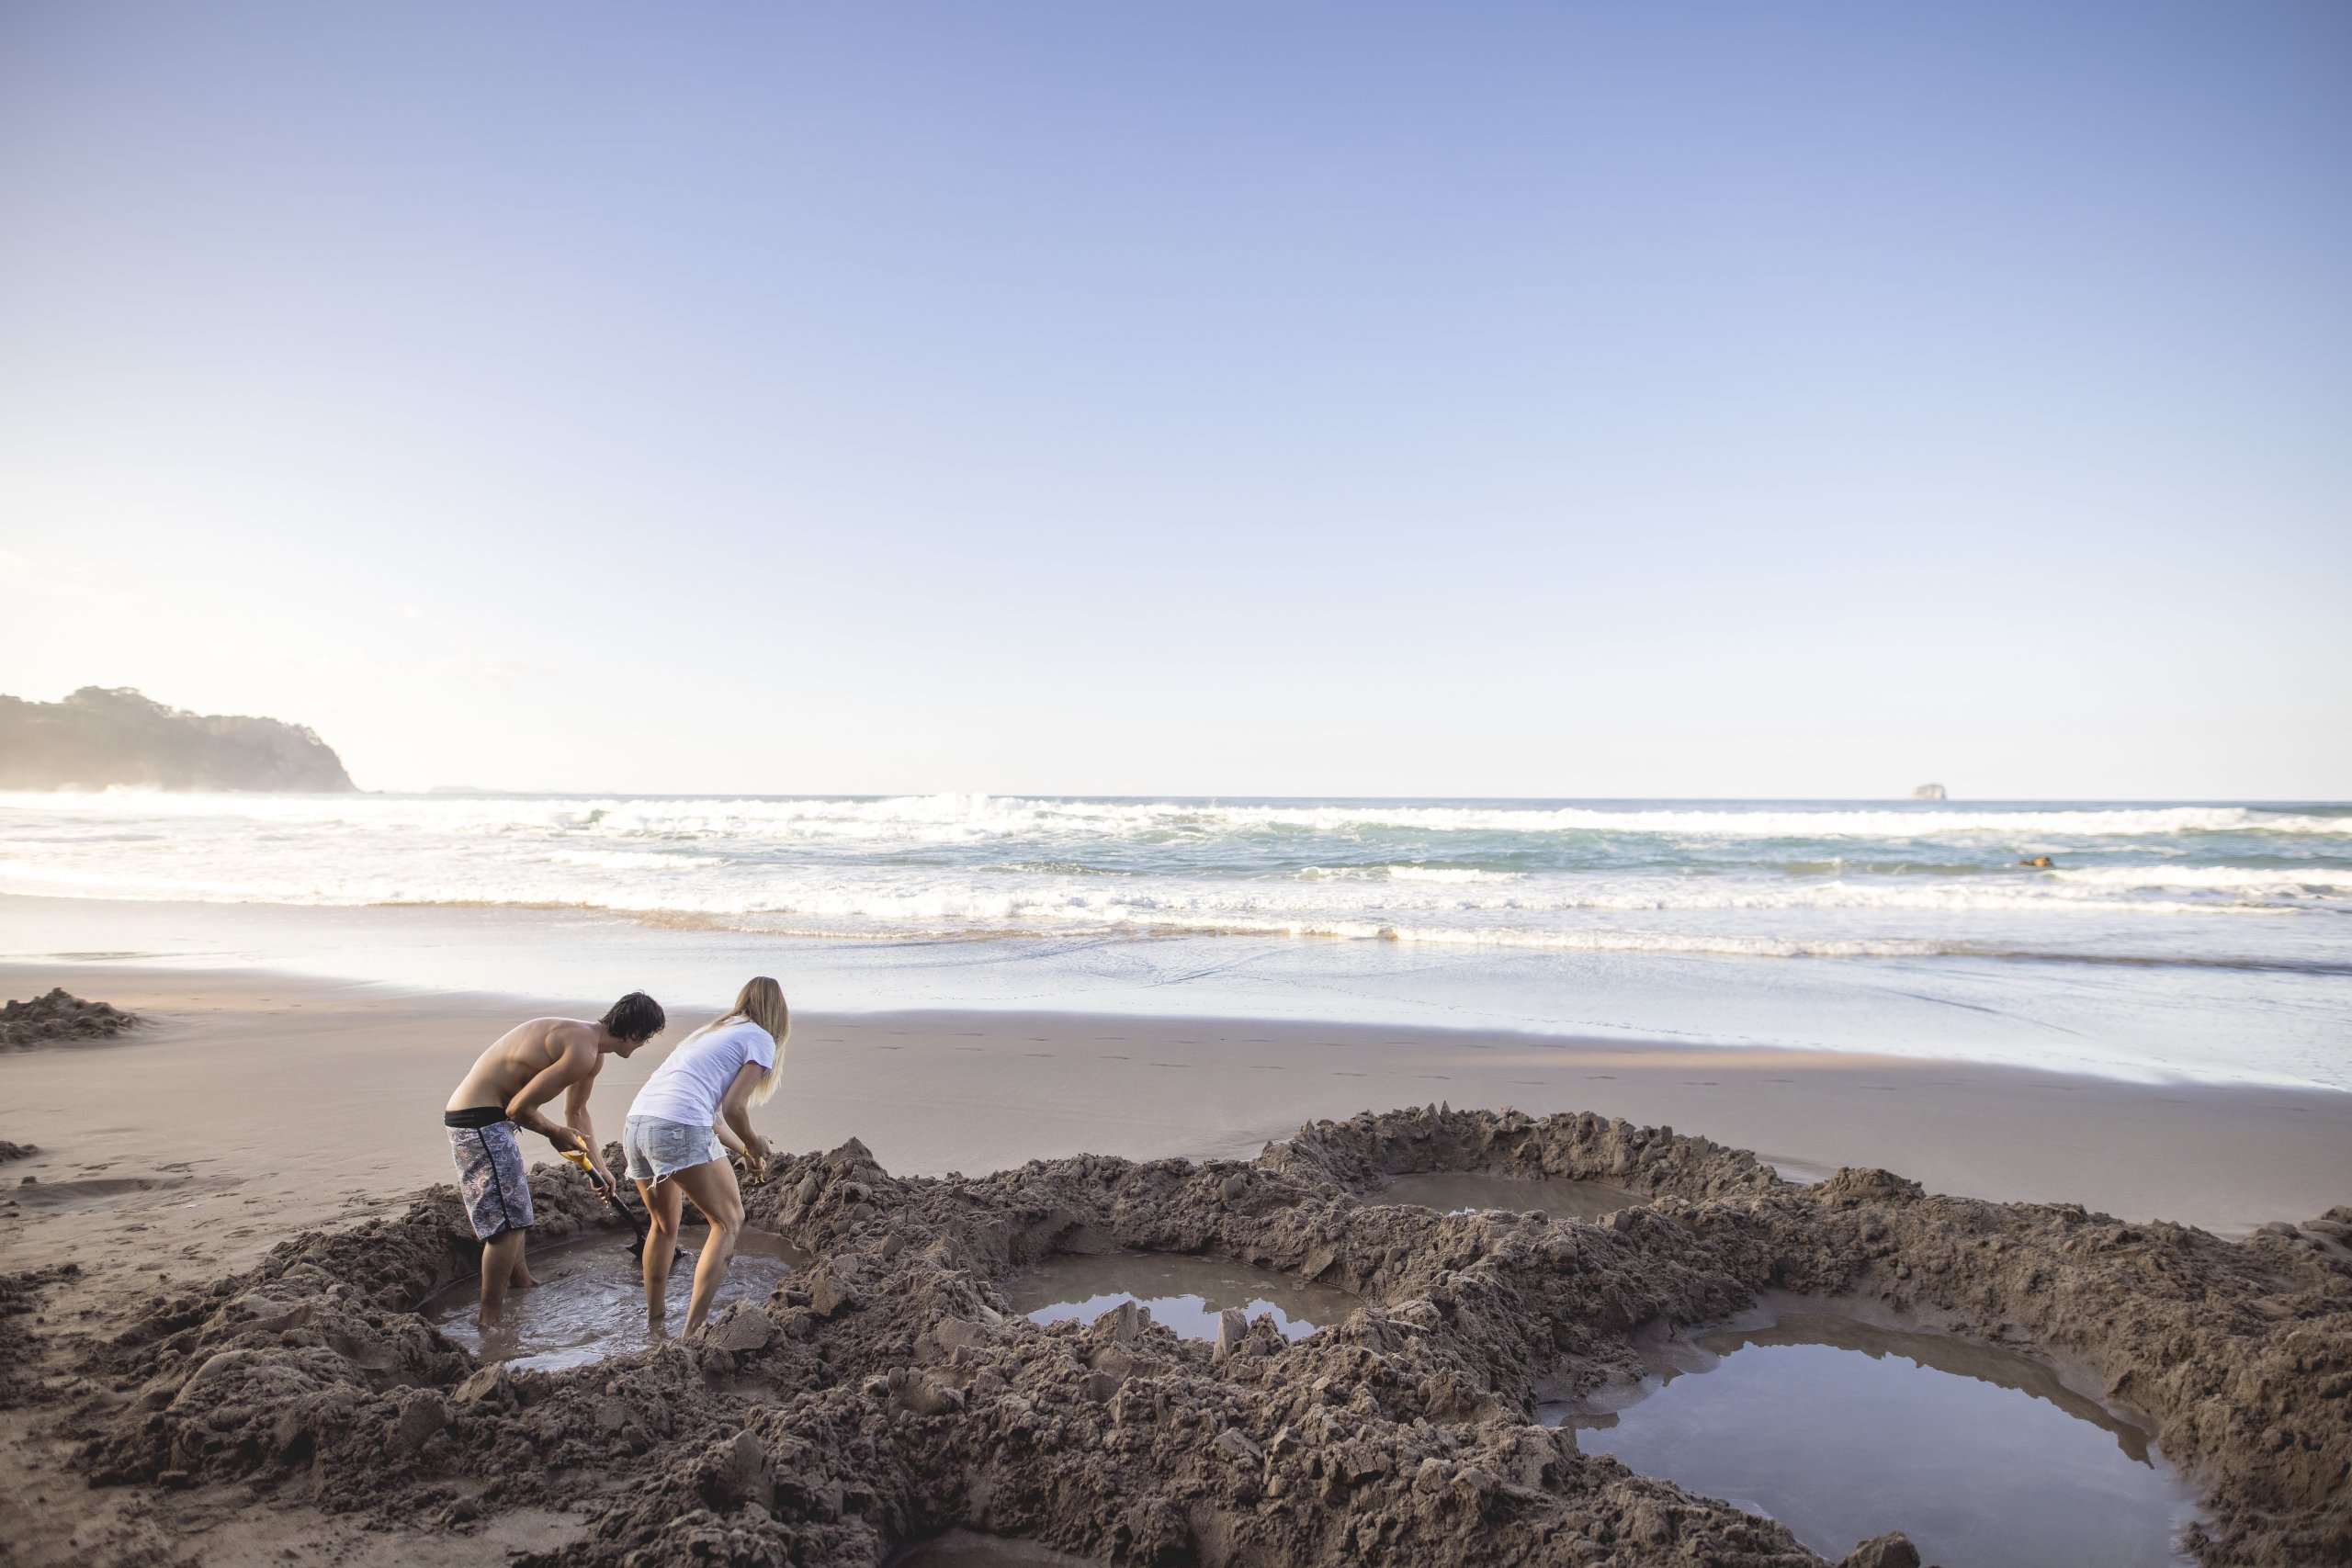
{"points": [[490, 1177]]}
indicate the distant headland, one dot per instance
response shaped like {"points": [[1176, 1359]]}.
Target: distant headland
{"points": [[101, 737]]}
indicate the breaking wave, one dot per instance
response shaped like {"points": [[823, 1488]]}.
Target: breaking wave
{"points": [[2128, 883]]}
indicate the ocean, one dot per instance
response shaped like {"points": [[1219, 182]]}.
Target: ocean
{"points": [[2199, 940]]}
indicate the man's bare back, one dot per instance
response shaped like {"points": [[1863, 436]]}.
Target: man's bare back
{"points": [[502, 1092], [522, 1054]]}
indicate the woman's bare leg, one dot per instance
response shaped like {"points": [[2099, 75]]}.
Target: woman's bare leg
{"points": [[712, 1187], [661, 1212]]}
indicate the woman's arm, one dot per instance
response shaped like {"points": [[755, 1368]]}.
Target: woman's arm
{"points": [[735, 1116]]}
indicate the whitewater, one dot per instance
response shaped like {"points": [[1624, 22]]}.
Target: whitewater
{"points": [[2225, 917]]}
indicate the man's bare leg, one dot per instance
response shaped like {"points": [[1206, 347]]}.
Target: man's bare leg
{"points": [[499, 1258], [712, 1187], [523, 1279], [663, 1210]]}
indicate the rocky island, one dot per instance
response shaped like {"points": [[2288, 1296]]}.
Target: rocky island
{"points": [[103, 737]]}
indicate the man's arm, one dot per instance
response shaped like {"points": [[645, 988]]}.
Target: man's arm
{"points": [[576, 1066], [575, 1116]]}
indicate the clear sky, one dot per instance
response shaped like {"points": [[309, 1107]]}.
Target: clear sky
{"points": [[1558, 400]]}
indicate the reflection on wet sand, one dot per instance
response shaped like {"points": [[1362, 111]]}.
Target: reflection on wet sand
{"points": [[1461, 1192], [1843, 1429], [1184, 1292]]}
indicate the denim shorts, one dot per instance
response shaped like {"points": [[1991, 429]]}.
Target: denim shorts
{"points": [[658, 1149]]}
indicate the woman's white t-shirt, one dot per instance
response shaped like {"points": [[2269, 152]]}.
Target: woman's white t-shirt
{"points": [[688, 1086]]}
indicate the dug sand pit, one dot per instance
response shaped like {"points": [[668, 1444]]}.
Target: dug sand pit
{"points": [[590, 1302], [1188, 1293], [1830, 1424], [889, 1395]]}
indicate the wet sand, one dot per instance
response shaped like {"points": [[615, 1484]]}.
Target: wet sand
{"points": [[257, 1104]]}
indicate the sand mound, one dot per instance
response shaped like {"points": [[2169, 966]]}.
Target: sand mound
{"points": [[887, 1393], [60, 1016]]}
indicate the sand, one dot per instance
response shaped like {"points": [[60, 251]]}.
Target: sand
{"points": [[891, 1392], [251, 1107]]}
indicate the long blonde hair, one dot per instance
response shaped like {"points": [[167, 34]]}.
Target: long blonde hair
{"points": [[761, 1001]]}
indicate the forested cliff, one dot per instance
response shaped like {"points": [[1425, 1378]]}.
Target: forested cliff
{"points": [[101, 737]]}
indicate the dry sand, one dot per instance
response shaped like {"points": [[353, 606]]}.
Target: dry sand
{"points": [[253, 1106]]}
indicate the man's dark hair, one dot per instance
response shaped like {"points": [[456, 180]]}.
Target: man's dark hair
{"points": [[635, 1017]]}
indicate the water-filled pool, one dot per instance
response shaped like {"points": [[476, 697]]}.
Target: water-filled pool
{"points": [[590, 1302], [1843, 1430], [1185, 1291], [1462, 1192]]}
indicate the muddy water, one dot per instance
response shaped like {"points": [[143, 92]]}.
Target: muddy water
{"points": [[1462, 1192], [967, 1548], [590, 1302], [1181, 1291], [1842, 1430]]}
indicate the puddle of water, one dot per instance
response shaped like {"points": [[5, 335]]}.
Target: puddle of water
{"points": [[1184, 1292], [591, 1299], [969, 1548], [1843, 1430], [1463, 1192]]}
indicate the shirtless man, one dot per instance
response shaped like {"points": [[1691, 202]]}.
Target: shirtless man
{"points": [[522, 1072]]}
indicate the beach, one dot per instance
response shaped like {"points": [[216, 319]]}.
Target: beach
{"points": [[2155, 1051], [312, 1096], [250, 1108]]}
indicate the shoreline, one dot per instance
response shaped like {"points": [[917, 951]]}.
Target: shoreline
{"points": [[294, 1087], [2212, 1026]]}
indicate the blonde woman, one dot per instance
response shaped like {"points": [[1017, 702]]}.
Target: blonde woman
{"points": [[692, 1113]]}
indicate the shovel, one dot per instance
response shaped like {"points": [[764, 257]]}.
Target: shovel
{"points": [[613, 1199]]}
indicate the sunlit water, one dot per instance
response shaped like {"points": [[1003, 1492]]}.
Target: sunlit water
{"points": [[1183, 1292], [590, 1302], [1843, 1431], [2202, 938], [1465, 1192]]}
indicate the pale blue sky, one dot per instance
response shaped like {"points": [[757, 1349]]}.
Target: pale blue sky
{"points": [[1544, 399]]}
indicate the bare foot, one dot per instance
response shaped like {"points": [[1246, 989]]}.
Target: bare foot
{"points": [[487, 1321]]}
